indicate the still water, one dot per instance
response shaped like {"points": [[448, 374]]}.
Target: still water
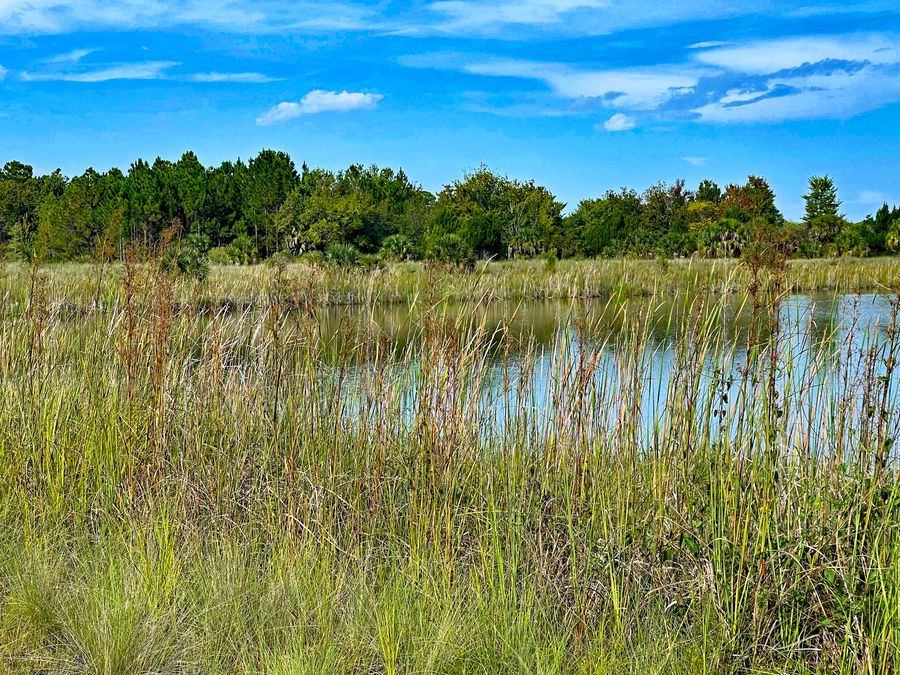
{"points": [[540, 369]]}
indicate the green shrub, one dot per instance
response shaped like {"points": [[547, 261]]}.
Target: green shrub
{"points": [[242, 251], [312, 258], [892, 239], [397, 247], [371, 260], [451, 249], [188, 256], [550, 260], [342, 255], [218, 255], [279, 258]]}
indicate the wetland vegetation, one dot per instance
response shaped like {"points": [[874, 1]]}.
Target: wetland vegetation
{"points": [[585, 466]]}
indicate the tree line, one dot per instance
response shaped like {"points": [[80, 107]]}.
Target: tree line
{"points": [[243, 212]]}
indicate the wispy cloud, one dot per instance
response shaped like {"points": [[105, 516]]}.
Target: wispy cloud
{"points": [[709, 44], [460, 14], [631, 88], [319, 101], [284, 111], [3, 72], [806, 10], [805, 78], [759, 81], [71, 57], [147, 70], [620, 122], [695, 161], [489, 18], [572, 17], [238, 16], [844, 97], [57, 16], [248, 78], [769, 56], [871, 198], [502, 18]]}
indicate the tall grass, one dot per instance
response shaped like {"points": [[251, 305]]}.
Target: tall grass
{"points": [[189, 486], [322, 285]]}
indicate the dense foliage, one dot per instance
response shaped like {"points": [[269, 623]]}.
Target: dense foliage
{"points": [[242, 212]]}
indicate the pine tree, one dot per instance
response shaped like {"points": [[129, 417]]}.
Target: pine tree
{"points": [[821, 200]]}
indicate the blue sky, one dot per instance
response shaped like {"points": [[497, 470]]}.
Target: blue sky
{"points": [[581, 95]]}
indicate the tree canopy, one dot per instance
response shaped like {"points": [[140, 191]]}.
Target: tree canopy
{"points": [[242, 212]]}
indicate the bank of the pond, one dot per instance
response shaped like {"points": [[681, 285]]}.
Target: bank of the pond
{"points": [[305, 285]]}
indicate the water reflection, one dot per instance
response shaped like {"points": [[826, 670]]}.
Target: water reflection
{"points": [[811, 372], [525, 325]]}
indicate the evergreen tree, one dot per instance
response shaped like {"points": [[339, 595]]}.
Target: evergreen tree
{"points": [[269, 179], [821, 200], [760, 200], [708, 191], [189, 179], [143, 208], [821, 217]]}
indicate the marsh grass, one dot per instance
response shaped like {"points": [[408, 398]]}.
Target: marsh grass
{"points": [[74, 287], [190, 487]]}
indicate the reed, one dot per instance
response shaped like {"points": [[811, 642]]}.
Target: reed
{"points": [[77, 287]]}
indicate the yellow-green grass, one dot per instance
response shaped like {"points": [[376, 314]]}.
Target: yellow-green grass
{"points": [[185, 491], [509, 280]]}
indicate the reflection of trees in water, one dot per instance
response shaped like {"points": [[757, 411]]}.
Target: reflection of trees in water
{"points": [[506, 329]]}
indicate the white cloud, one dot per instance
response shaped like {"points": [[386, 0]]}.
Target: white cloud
{"points": [[740, 95], [620, 122], [837, 94], [319, 101], [55, 16], [632, 88], [282, 112], [781, 79], [709, 44], [695, 161], [872, 198], [331, 101], [576, 17], [856, 73], [3, 72], [466, 13], [71, 57], [769, 56], [806, 10], [348, 20], [643, 88], [240, 16], [249, 78], [500, 18], [148, 70]]}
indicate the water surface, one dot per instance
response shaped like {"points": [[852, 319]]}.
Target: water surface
{"points": [[818, 365]]}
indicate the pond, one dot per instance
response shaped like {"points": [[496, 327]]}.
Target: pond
{"points": [[815, 374]]}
